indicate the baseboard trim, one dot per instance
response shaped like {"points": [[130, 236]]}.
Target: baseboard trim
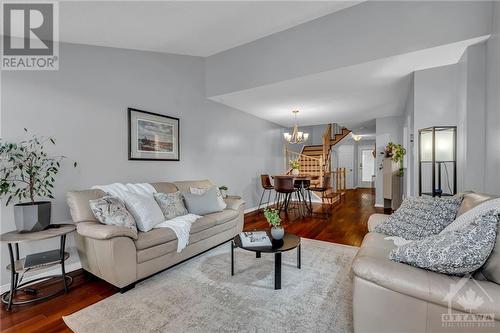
{"points": [[70, 267]]}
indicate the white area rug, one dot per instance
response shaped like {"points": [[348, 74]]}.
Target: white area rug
{"points": [[202, 296]]}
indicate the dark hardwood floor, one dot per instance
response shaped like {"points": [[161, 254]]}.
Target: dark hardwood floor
{"points": [[346, 224]]}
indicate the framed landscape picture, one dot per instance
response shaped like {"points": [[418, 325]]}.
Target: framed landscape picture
{"points": [[152, 136]]}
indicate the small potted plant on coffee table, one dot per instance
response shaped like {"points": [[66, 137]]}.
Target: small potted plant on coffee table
{"points": [[273, 218], [27, 174]]}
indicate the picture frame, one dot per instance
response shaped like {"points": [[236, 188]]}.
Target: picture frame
{"points": [[153, 136]]}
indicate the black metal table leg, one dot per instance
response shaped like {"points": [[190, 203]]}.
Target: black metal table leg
{"points": [[299, 257], [232, 258], [12, 277], [277, 271], [257, 254], [63, 271]]}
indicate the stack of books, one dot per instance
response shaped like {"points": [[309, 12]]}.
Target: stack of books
{"points": [[255, 239]]}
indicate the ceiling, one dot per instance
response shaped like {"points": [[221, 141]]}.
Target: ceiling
{"points": [[200, 28], [351, 96]]}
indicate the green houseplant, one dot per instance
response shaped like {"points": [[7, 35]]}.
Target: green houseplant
{"points": [[223, 190], [397, 154], [295, 165], [27, 174], [273, 218]]}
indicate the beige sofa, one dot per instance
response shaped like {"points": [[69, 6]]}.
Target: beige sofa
{"points": [[122, 256], [395, 297]]}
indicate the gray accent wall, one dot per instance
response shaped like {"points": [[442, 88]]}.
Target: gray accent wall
{"points": [[84, 106]]}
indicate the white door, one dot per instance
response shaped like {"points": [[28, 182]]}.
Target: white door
{"points": [[366, 163]]}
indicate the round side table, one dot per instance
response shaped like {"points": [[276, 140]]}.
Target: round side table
{"points": [[16, 265]]}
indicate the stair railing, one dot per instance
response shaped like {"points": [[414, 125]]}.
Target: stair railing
{"points": [[309, 166]]}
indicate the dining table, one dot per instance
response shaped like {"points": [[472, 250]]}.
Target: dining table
{"points": [[302, 183]]}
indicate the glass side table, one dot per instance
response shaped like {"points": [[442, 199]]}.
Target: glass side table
{"points": [[16, 266]]}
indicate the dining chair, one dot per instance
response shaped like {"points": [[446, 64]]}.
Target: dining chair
{"points": [[265, 182], [325, 187], [284, 187]]}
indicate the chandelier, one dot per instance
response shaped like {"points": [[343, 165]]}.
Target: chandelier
{"points": [[296, 136]]}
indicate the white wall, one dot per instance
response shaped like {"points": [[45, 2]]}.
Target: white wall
{"points": [[471, 113], [408, 142], [436, 103], [84, 106], [387, 129], [492, 167]]}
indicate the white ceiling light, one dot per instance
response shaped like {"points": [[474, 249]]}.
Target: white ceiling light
{"points": [[296, 136], [356, 137]]}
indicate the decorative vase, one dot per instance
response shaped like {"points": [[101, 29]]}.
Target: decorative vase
{"points": [[30, 217], [277, 233], [295, 172]]}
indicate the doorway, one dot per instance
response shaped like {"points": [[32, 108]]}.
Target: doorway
{"points": [[366, 166]]}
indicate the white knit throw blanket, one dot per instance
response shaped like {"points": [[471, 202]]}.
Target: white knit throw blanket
{"points": [[181, 225]]}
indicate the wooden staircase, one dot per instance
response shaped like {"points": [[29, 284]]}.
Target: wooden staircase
{"points": [[315, 160]]}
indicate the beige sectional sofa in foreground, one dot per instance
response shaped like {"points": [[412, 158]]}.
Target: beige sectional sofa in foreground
{"points": [[393, 297], [122, 256]]}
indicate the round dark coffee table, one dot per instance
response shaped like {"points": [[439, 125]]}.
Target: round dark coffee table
{"points": [[289, 242]]}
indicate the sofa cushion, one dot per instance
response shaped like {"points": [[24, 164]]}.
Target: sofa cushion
{"points": [[375, 220], [170, 246], [491, 269], [213, 219], [185, 185], [165, 187], [202, 204], [111, 211], [216, 229], [145, 210], [453, 252], [156, 251], [98, 230], [171, 204], [471, 200], [154, 237], [78, 202], [420, 217]]}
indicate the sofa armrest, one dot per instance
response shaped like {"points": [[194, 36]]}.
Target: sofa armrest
{"points": [[375, 220], [234, 202], [422, 284], [97, 230]]}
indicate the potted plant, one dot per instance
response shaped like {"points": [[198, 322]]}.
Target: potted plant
{"points": [[223, 190], [273, 218], [27, 173], [397, 153], [295, 165]]}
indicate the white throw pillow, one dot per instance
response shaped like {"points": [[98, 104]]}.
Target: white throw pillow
{"points": [[201, 191], [144, 209]]}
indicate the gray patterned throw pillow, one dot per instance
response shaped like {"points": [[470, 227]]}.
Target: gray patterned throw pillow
{"points": [[453, 252], [111, 210], [420, 217], [171, 204]]}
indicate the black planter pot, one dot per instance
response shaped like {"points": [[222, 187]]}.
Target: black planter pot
{"points": [[30, 217]]}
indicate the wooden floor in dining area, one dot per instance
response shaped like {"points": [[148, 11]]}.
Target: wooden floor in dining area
{"points": [[346, 224]]}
